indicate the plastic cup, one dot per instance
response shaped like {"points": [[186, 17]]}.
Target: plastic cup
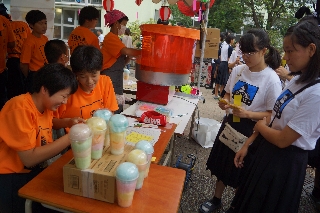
{"points": [[147, 147], [139, 158], [126, 74], [126, 179], [117, 141], [118, 125], [98, 127], [105, 114], [81, 139], [142, 173], [98, 137]]}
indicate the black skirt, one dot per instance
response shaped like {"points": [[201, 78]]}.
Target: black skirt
{"points": [[314, 156], [221, 158], [274, 180], [223, 73]]}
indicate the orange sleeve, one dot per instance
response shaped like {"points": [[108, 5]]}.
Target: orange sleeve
{"points": [[114, 45], [109, 96], [22, 123]]}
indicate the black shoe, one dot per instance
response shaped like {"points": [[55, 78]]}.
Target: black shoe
{"points": [[209, 207]]}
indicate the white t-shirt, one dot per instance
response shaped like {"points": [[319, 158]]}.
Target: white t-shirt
{"points": [[259, 90], [127, 41], [225, 51], [234, 56], [101, 37], [301, 113]]}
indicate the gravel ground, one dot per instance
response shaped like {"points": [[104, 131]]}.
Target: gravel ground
{"points": [[201, 186]]}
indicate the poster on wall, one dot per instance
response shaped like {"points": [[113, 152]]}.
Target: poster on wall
{"points": [[19, 9]]}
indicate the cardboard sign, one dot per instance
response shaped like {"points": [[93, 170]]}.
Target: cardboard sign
{"points": [[211, 44]]}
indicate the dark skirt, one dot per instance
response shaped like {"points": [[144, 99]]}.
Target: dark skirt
{"points": [[314, 156], [274, 180], [223, 73], [221, 158]]}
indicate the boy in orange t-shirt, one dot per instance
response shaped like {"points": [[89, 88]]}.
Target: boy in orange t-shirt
{"points": [[115, 54], [7, 39], [15, 84], [32, 55], [82, 35], [25, 136], [95, 91]]}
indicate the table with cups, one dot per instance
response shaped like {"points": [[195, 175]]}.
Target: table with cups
{"points": [[88, 142]]}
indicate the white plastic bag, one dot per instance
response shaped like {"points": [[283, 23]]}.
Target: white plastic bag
{"points": [[206, 131]]}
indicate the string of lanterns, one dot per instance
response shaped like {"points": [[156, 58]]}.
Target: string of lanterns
{"points": [[186, 7]]}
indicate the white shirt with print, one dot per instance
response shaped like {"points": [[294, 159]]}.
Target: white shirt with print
{"points": [[259, 90], [301, 113]]}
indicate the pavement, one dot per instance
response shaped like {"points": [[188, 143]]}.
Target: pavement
{"points": [[201, 186]]}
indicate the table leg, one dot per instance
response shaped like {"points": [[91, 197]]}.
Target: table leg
{"points": [[192, 123], [169, 157], [28, 206]]}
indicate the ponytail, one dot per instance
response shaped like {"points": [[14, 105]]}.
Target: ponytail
{"points": [[273, 58]]}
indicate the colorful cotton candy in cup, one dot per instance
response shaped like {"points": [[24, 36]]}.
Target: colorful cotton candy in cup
{"points": [[127, 171], [145, 146], [79, 132], [118, 123], [96, 124], [105, 114], [137, 157]]}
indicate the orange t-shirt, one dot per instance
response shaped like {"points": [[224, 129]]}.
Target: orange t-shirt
{"points": [[23, 127], [82, 36], [111, 48], [33, 52], [6, 35], [83, 105], [21, 31]]}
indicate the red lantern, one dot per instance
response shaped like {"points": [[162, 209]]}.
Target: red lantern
{"points": [[138, 2], [164, 13], [108, 5], [188, 10]]}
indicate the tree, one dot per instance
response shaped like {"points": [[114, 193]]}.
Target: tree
{"points": [[178, 17]]}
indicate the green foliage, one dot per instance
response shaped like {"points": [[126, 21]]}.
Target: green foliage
{"points": [[177, 16], [135, 31]]}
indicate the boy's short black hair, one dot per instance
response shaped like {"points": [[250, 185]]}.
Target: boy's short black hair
{"points": [[88, 13], [34, 16], [86, 58], [54, 49], [54, 77], [229, 38]]}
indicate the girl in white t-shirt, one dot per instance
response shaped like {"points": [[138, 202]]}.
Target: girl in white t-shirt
{"points": [[259, 86], [274, 180]]}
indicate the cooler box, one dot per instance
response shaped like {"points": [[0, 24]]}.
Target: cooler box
{"points": [[154, 93]]}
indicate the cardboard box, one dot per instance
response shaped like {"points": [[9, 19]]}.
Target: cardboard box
{"points": [[98, 181], [211, 44]]}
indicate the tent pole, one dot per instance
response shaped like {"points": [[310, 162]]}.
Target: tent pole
{"points": [[204, 36]]}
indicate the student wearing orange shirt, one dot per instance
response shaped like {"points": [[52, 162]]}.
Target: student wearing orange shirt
{"points": [[94, 91], [15, 85], [7, 40], [115, 54], [56, 51], [32, 55], [82, 35], [25, 136]]}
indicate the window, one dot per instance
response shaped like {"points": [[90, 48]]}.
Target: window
{"points": [[65, 20]]}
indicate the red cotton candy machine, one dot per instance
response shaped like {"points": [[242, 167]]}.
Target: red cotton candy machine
{"points": [[166, 57]]}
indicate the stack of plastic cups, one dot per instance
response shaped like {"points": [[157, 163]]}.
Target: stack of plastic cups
{"points": [[126, 179], [139, 158], [118, 125], [147, 147], [98, 127], [105, 114], [81, 138]]}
